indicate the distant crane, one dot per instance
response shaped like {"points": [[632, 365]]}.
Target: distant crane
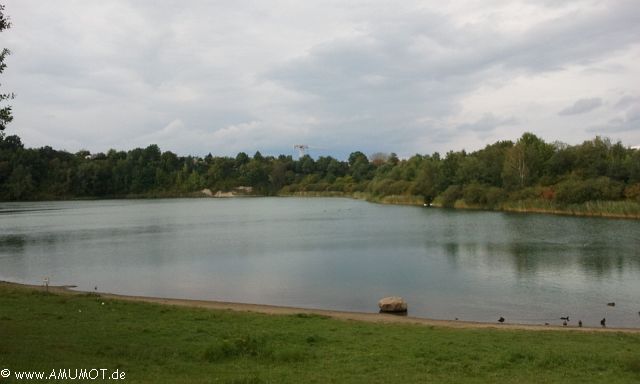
{"points": [[301, 148]]}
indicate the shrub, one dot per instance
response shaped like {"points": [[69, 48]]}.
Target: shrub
{"points": [[548, 193], [495, 196], [450, 195], [484, 195], [474, 194], [525, 194], [575, 191], [632, 192]]}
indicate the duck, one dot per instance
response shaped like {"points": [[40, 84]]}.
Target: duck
{"points": [[603, 322], [501, 319], [580, 323], [611, 304], [564, 318]]}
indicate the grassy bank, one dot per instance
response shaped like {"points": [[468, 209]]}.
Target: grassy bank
{"points": [[608, 209], [157, 343], [611, 209], [391, 199]]}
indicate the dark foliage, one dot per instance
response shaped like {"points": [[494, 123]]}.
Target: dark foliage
{"points": [[526, 169], [5, 112]]}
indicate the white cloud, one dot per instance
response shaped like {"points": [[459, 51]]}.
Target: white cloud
{"points": [[410, 77]]}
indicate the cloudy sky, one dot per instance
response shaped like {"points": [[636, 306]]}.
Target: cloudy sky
{"points": [[406, 77]]}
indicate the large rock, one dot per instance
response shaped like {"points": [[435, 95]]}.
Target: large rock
{"points": [[393, 304]]}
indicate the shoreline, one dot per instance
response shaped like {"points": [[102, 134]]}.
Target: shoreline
{"points": [[415, 201], [333, 314], [403, 200]]}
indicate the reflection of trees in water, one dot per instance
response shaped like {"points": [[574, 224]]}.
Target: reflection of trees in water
{"points": [[529, 258], [598, 247], [452, 250], [12, 261], [12, 243], [17, 243], [602, 264]]}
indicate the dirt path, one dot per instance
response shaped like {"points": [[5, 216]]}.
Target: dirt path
{"points": [[340, 315]]}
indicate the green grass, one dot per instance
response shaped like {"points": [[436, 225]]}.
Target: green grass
{"points": [[389, 199], [620, 209], [155, 343], [613, 209]]}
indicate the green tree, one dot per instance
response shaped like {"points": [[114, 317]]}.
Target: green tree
{"points": [[634, 166], [20, 183], [491, 160], [428, 179], [307, 165], [256, 175], [450, 166], [525, 162], [241, 159], [562, 161], [5, 112], [359, 166], [278, 175]]}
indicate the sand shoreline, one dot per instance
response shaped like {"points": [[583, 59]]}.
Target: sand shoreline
{"points": [[340, 315]]}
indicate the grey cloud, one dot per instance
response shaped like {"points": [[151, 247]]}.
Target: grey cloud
{"points": [[627, 101], [487, 123], [579, 38], [424, 64], [229, 76], [581, 106], [627, 122]]}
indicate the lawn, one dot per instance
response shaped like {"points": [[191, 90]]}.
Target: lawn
{"points": [[158, 343]]}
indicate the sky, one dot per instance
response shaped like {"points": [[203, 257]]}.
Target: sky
{"points": [[220, 77]]}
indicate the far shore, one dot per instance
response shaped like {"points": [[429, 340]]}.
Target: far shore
{"points": [[413, 200], [340, 315], [405, 200]]}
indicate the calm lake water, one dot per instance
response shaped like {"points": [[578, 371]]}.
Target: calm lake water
{"points": [[333, 254]]}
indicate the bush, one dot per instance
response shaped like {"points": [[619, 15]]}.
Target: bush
{"points": [[548, 193], [525, 194], [450, 195], [632, 192], [495, 196], [575, 191], [474, 194], [484, 195]]}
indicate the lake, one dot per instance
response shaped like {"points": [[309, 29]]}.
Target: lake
{"points": [[333, 253]]}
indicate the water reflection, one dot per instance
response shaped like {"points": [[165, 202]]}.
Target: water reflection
{"points": [[331, 253], [530, 246], [13, 243]]}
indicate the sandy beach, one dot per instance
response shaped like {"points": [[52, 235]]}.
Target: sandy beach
{"points": [[340, 315]]}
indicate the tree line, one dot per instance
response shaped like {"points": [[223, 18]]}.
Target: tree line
{"points": [[530, 168]]}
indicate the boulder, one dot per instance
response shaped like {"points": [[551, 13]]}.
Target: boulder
{"points": [[223, 194], [393, 304]]}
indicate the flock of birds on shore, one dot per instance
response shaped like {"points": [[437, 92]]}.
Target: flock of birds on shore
{"points": [[565, 319]]}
